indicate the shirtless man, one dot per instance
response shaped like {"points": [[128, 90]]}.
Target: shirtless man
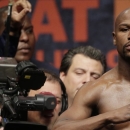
{"points": [[110, 94]]}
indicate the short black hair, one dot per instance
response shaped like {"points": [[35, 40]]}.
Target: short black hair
{"points": [[87, 51]]}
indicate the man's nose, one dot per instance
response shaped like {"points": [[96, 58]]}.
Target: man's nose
{"points": [[87, 78], [24, 37]]}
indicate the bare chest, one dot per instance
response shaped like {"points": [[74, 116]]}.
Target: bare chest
{"points": [[114, 98]]}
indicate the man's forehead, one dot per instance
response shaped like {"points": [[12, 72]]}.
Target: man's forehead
{"points": [[81, 58], [27, 22], [82, 62], [76, 60], [52, 87], [122, 16]]}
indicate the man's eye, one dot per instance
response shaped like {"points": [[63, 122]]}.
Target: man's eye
{"points": [[96, 76], [29, 31], [124, 29], [79, 73]]}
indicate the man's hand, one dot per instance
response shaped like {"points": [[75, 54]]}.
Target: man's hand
{"points": [[120, 115], [19, 10]]}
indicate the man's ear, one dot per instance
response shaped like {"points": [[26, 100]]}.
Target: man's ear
{"points": [[62, 76], [114, 38]]}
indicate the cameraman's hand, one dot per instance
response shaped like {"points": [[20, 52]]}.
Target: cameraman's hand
{"points": [[19, 10]]}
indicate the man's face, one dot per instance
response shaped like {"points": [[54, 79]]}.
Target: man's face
{"points": [[82, 70], [47, 117], [121, 36], [26, 42]]}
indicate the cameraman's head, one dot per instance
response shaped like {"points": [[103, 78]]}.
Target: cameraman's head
{"points": [[53, 86], [27, 39]]}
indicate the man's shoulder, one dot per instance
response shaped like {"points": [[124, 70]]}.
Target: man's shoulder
{"points": [[105, 81], [109, 75], [102, 82], [91, 92]]}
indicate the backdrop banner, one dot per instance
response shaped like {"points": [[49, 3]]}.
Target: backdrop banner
{"points": [[63, 24]]}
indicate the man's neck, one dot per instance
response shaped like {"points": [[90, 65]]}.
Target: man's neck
{"points": [[124, 68]]}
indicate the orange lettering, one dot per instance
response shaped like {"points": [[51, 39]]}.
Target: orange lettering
{"points": [[40, 55], [48, 9], [80, 16], [3, 3]]}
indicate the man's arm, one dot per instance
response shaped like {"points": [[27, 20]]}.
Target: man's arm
{"points": [[77, 117]]}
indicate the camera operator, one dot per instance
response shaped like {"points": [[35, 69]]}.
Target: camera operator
{"points": [[53, 86], [19, 25]]}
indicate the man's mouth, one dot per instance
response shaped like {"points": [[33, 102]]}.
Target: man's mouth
{"points": [[48, 113], [127, 45], [25, 50]]}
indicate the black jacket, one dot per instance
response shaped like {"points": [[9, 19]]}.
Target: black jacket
{"points": [[12, 45]]}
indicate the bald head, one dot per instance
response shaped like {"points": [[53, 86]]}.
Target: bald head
{"points": [[121, 35], [122, 17]]}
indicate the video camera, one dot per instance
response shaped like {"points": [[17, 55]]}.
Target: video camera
{"points": [[15, 82]]}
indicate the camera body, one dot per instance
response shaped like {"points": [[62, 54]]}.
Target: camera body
{"points": [[16, 80], [7, 68]]}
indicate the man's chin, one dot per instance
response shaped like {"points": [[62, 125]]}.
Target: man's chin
{"points": [[22, 58], [48, 116]]}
